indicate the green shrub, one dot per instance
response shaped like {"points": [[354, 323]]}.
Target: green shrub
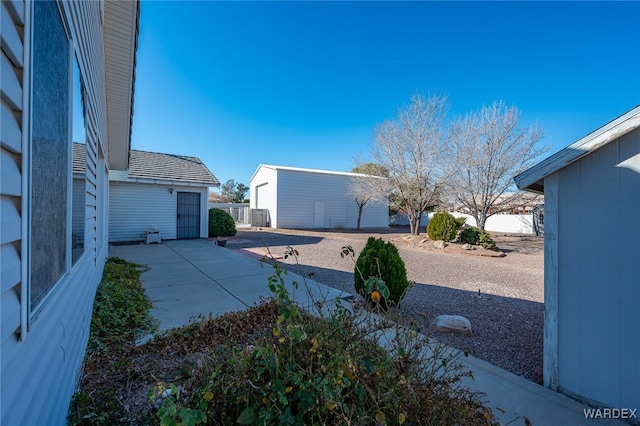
{"points": [[477, 236], [381, 260], [121, 308], [277, 364], [221, 224], [460, 221], [442, 226], [305, 370]]}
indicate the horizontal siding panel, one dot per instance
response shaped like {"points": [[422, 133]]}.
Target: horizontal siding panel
{"points": [[10, 273], [58, 336], [10, 178], [15, 8], [10, 134], [11, 88], [11, 42], [10, 223], [135, 208], [10, 307]]}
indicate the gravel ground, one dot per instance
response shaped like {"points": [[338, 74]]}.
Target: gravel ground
{"points": [[501, 296]]}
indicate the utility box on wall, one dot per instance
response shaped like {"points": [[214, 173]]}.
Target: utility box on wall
{"points": [[153, 236]]}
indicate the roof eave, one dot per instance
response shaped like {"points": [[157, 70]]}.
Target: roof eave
{"points": [[121, 26], [532, 179]]}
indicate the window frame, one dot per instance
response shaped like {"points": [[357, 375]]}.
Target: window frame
{"points": [[83, 103], [30, 314]]}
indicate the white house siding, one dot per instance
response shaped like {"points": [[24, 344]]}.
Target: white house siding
{"points": [[298, 191], [263, 190], [39, 367], [598, 319], [136, 207]]}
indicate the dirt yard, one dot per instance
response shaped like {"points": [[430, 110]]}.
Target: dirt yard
{"points": [[501, 296]]}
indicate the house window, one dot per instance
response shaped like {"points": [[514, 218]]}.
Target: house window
{"points": [[50, 152], [79, 194]]}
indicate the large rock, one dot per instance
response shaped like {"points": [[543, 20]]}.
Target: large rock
{"points": [[451, 324], [439, 245]]}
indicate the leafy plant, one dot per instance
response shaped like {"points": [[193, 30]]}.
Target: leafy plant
{"points": [[221, 224], [442, 226], [329, 368], [477, 236], [120, 314], [121, 308], [379, 268]]}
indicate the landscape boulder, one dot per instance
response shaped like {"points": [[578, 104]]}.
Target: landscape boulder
{"points": [[439, 245], [467, 246], [451, 324]]}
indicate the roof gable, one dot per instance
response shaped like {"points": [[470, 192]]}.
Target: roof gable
{"points": [[533, 178]]}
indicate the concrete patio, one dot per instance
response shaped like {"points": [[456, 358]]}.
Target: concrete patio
{"points": [[193, 278]]}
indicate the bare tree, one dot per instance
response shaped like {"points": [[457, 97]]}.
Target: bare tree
{"points": [[414, 149], [362, 187], [491, 149]]}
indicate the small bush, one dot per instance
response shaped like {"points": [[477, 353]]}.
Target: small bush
{"points": [[477, 236], [120, 315], [221, 224], [121, 308], [305, 370], [381, 260], [442, 226]]}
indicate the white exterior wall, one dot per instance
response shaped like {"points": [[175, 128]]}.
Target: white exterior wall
{"points": [[263, 193], [136, 207], [592, 325], [298, 191], [39, 367]]}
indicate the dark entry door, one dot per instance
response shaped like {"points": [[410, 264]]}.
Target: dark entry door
{"points": [[188, 215]]}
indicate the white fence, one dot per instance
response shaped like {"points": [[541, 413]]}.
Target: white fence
{"points": [[509, 223], [240, 212]]}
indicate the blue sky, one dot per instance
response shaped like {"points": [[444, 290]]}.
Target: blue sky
{"points": [[305, 83]]}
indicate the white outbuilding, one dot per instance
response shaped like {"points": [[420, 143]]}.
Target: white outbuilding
{"points": [[592, 265], [308, 198], [161, 192]]}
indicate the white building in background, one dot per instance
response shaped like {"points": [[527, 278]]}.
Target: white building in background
{"points": [[309, 198]]}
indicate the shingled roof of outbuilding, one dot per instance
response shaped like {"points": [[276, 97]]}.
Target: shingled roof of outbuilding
{"points": [[145, 165]]}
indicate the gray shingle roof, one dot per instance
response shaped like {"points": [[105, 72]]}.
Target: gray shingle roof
{"points": [[157, 166]]}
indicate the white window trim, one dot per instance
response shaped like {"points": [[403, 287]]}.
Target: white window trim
{"points": [[29, 316]]}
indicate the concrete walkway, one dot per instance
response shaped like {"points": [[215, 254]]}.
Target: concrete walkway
{"points": [[193, 278]]}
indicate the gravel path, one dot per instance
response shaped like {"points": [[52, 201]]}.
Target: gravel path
{"points": [[501, 296]]}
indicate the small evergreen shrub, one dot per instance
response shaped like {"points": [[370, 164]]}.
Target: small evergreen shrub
{"points": [[442, 226], [381, 260], [221, 224], [460, 222], [477, 236]]}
